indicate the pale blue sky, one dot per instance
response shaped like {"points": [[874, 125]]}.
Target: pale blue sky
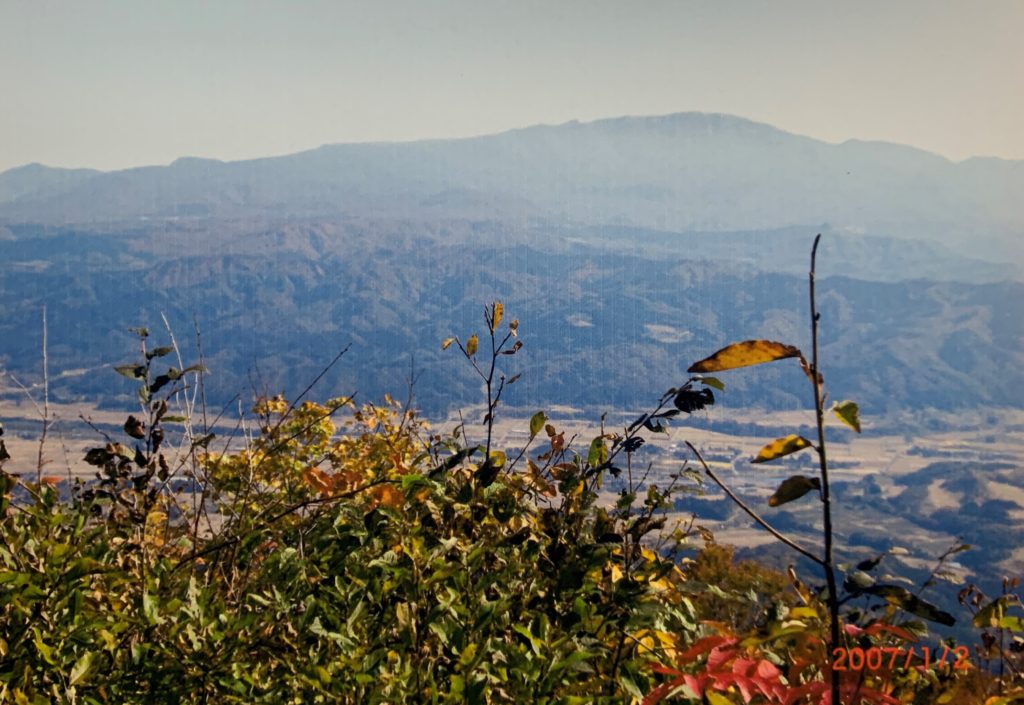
{"points": [[116, 84]]}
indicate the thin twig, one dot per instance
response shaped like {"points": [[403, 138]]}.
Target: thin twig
{"points": [[753, 515], [46, 403], [826, 498]]}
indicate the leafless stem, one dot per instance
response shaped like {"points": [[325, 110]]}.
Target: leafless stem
{"points": [[753, 515], [826, 498], [40, 462]]}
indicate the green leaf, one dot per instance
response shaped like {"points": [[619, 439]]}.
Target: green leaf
{"points": [[159, 352], [598, 453], [849, 413], [993, 613], [537, 423], [860, 580], [745, 354], [440, 631], [1014, 624], [150, 608], [468, 654], [414, 481], [780, 447], [713, 382], [131, 371], [42, 647], [174, 374], [174, 419], [576, 661], [83, 668], [793, 488]]}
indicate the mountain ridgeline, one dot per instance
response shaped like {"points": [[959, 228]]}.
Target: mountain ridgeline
{"points": [[627, 247], [684, 172]]}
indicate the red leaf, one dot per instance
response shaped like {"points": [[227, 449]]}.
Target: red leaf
{"points": [[665, 670], [659, 693], [719, 657], [703, 646]]}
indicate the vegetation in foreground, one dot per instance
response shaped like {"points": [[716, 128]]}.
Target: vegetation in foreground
{"points": [[346, 552]]}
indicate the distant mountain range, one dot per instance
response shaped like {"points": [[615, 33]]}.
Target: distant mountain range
{"points": [[628, 248], [683, 172], [603, 328]]}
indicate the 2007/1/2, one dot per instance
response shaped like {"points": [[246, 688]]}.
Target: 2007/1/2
{"points": [[873, 658]]}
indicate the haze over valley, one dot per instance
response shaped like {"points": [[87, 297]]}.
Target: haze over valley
{"points": [[628, 248]]}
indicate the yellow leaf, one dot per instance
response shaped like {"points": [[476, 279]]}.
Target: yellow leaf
{"points": [[446, 343], [716, 699], [156, 521], [780, 447], [472, 344], [804, 613], [537, 423], [849, 413], [661, 585], [497, 313], [749, 352]]}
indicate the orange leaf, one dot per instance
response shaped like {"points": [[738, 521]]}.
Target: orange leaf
{"points": [[749, 352], [388, 496], [318, 480]]}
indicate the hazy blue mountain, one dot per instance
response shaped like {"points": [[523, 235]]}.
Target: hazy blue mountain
{"points": [[688, 171], [37, 179]]}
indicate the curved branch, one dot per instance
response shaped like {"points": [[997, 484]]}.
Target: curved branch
{"points": [[754, 515]]}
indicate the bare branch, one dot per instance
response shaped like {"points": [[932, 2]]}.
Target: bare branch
{"points": [[753, 515]]}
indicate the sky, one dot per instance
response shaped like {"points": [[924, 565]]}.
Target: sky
{"points": [[117, 84]]}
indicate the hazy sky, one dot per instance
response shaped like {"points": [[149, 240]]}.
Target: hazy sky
{"points": [[115, 84]]}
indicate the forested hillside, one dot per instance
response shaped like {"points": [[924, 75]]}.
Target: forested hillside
{"points": [[611, 326]]}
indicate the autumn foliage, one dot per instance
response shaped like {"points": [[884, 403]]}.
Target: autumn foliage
{"points": [[352, 552]]}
